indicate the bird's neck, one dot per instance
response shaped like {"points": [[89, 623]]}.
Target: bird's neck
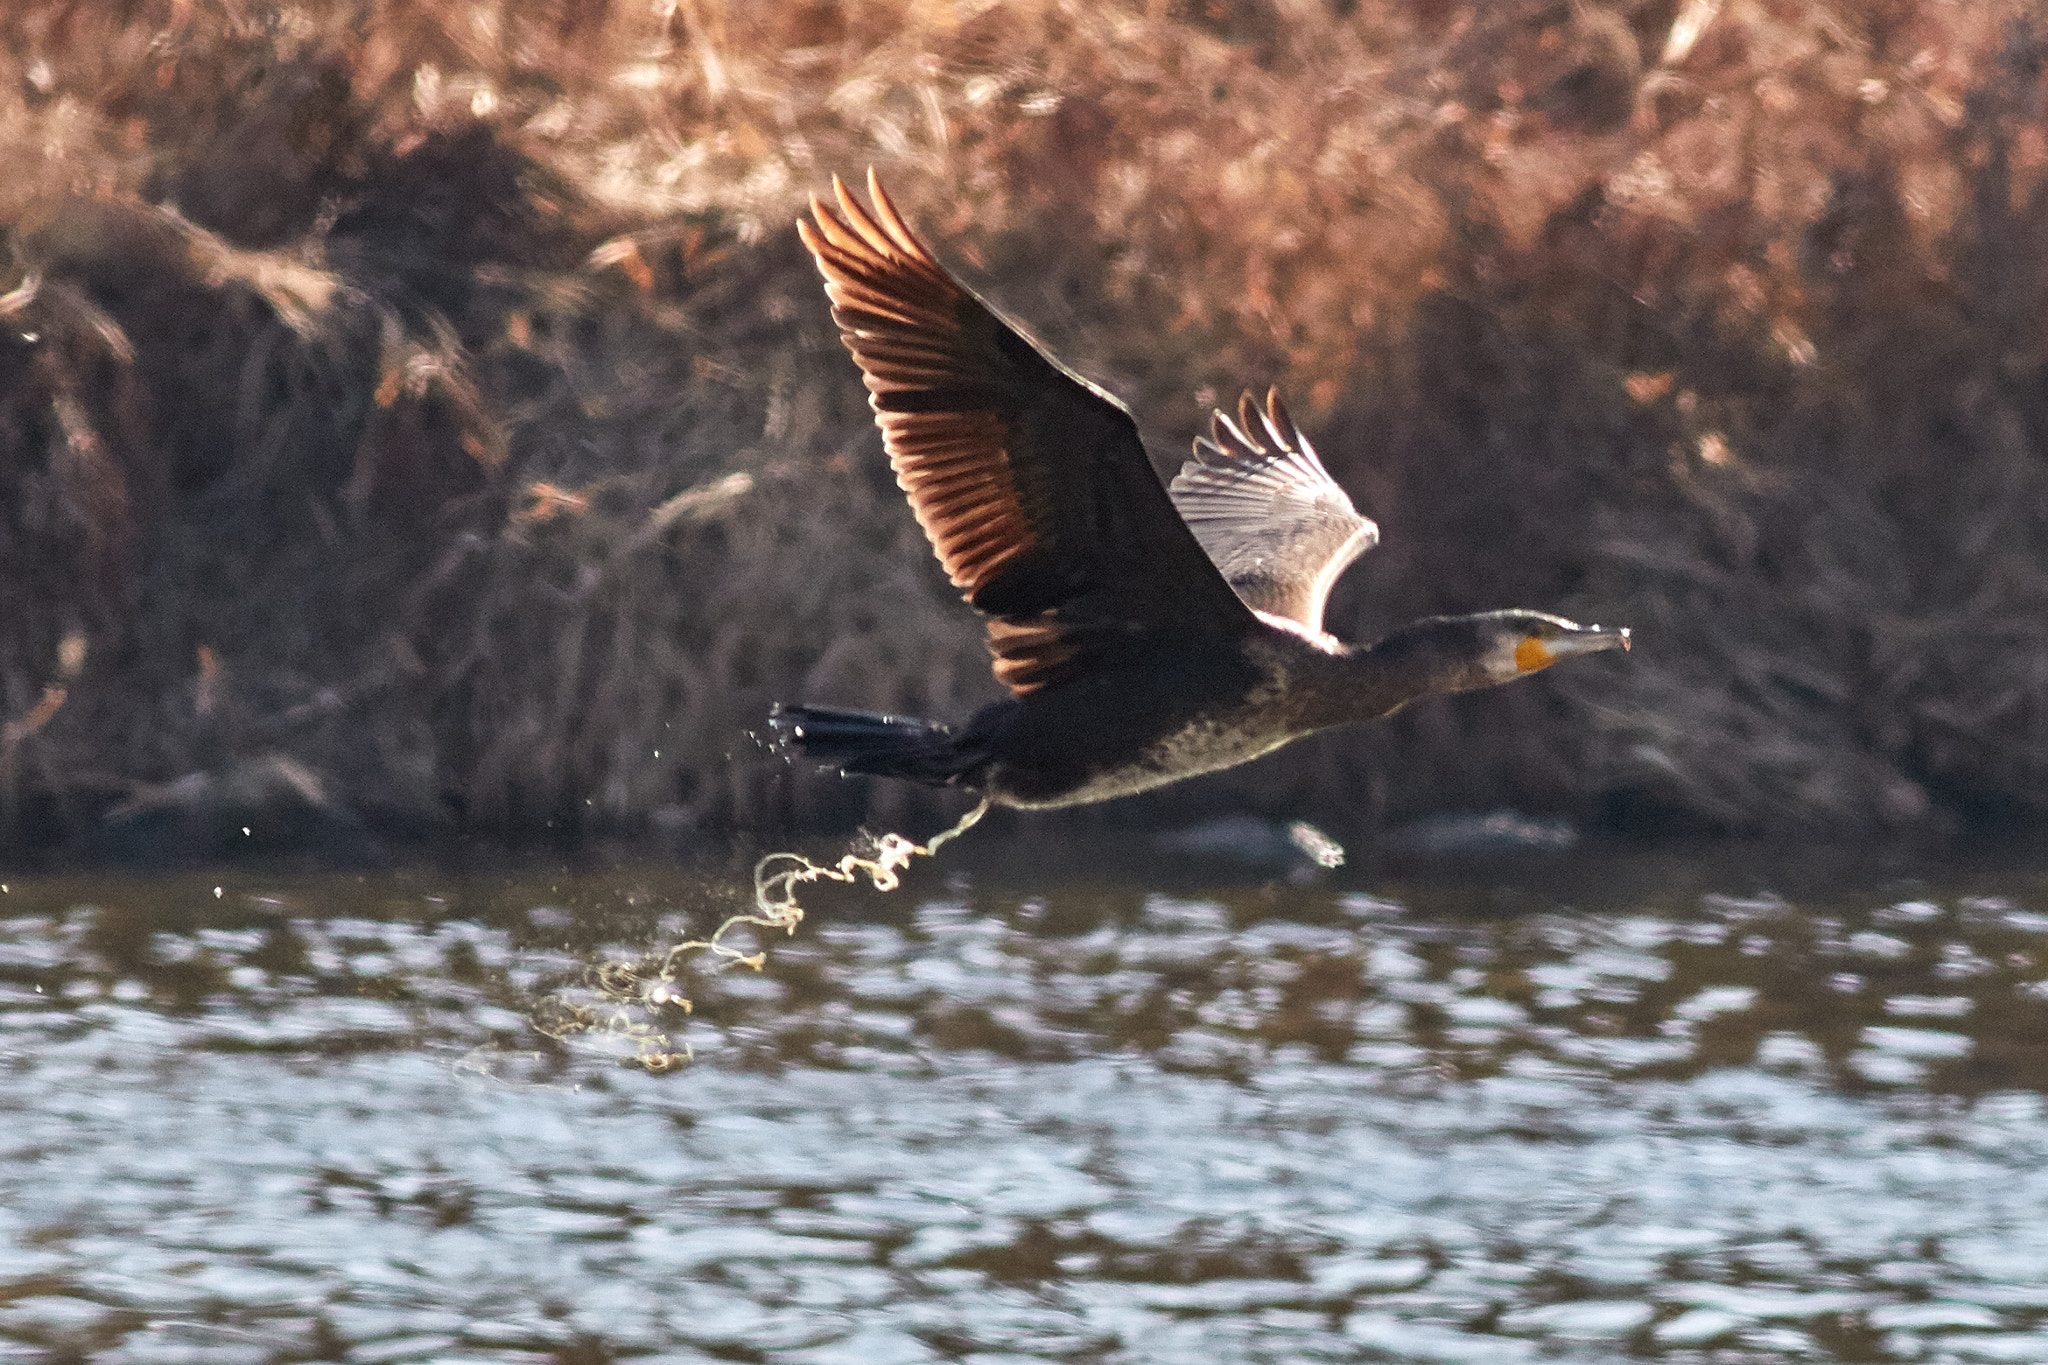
{"points": [[1365, 682]]}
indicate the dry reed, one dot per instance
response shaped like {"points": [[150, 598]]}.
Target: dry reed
{"points": [[420, 415]]}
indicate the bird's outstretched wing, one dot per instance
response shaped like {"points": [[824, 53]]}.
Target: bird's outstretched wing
{"points": [[1268, 513], [1031, 483]]}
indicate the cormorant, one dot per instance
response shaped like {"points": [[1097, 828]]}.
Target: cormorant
{"points": [[1146, 634]]}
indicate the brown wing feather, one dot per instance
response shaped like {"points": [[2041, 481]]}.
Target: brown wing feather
{"points": [[1268, 513], [1030, 483]]}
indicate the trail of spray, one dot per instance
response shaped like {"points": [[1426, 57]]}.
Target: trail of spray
{"points": [[777, 876], [634, 997]]}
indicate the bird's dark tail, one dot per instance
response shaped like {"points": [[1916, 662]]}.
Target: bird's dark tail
{"points": [[870, 743]]}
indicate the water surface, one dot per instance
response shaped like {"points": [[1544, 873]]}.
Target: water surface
{"points": [[409, 1119]]}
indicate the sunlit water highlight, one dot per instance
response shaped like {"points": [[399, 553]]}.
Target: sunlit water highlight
{"points": [[318, 1121]]}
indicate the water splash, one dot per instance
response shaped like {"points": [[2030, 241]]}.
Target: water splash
{"points": [[1321, 849], [633, 997], [775, 902]]}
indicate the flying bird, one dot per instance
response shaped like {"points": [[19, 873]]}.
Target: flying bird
{"points": [[1146, 633]]}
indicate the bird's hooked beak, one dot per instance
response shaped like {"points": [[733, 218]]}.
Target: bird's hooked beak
{"points": [[1535, 652]]}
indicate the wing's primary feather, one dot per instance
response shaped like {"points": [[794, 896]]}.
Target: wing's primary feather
{"points": [[1031, 483], [1267, 512]]}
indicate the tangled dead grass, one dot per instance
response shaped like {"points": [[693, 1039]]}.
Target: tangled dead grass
{"points": [[421, 415]]}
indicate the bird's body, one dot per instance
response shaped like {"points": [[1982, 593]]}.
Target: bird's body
{"points": [[1146, 635], [1148, 722]]}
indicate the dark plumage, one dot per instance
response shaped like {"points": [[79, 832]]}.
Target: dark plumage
{"points": [[1145, 636]]}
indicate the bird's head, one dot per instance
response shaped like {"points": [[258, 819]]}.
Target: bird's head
{"points": [[1512, 643], [1461, 653]]}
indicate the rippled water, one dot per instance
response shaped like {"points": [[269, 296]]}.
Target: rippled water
{"points": [[315, 1120]]}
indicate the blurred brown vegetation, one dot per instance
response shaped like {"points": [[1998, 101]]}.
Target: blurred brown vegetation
{"points": [[421, 412]]}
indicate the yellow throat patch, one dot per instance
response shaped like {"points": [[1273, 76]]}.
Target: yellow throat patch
{"points": [[1531, 654]]}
